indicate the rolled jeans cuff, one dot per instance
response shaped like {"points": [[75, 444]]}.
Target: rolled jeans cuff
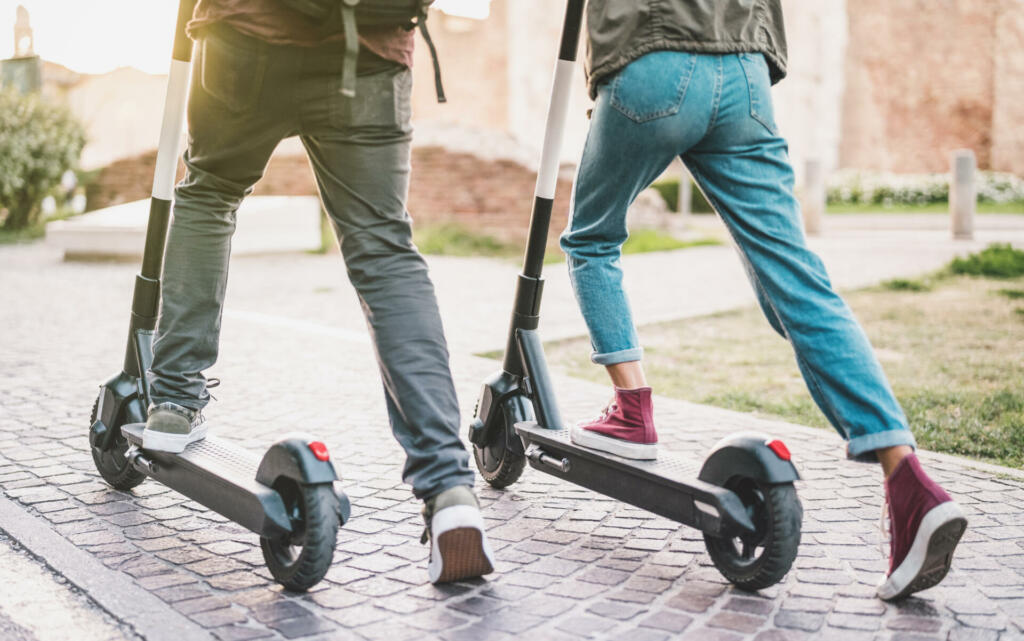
{"points": [[862, 448], [621, 356]]}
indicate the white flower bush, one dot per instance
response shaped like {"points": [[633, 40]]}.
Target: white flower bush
{"points": [[852, 187]]}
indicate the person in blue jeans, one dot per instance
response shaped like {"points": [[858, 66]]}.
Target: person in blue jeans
{"points": [[692, 80]]}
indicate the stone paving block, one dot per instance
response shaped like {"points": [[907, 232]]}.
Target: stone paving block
{"points": [[809, 621], [582, 625], [219, 617], [736, 621], [667, 620], [241, 633], [302, 627]]}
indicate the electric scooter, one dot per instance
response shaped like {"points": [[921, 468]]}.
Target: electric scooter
{"points": [[742, 497], [289, 496]]}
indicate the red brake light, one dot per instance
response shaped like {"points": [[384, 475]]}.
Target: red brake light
{"points": [[780, 449], [319, 450]]}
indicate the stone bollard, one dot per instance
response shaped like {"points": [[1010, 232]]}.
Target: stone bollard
{"points": [[963, 196], [685, 196], [813, 205]]}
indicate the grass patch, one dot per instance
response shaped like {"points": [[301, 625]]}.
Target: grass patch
{"points": [[952, 352], [1013, 207], [453, 239], [1012, 294], [906, 285], [642, 241], [996, 261]]}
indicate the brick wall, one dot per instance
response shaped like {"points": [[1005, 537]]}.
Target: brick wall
{"points": [[921, 80], [492, 196]]}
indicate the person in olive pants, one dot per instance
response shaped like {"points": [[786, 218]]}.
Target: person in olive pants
{"points": [[247, 95]]}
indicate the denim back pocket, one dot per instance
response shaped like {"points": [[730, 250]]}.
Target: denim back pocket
{"points": [[232, 73], [653, 86], [759, 84]]}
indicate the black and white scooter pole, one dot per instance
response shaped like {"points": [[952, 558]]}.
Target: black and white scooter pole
{"points": [[146, 299], [528, 290]]}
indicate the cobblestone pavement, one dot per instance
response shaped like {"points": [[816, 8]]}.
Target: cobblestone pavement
{"points": [[572, 564]]}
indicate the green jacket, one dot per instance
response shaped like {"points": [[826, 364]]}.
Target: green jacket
{"points": [[621, 31]]}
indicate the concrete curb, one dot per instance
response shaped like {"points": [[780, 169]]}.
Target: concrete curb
{"points": [[151, 618]]}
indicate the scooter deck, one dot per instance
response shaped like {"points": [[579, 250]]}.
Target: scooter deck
{"points": [[221, 476], [668, 486]]}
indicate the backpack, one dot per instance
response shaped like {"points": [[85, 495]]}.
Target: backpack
{"points": [[348, 15]]}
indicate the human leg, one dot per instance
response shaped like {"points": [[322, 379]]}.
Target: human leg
{"points": [[233, 129], [743, 168]]}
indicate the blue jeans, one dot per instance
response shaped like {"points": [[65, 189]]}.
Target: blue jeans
{"points": [[715, 112]]}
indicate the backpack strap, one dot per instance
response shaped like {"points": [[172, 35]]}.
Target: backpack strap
{"points": [[348, 70], [438, 87]]}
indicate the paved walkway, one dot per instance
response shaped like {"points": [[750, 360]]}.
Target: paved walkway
{"points": [[572, 564]]}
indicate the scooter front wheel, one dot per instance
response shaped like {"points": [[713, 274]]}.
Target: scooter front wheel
{"points": [[498, 464], [762, 558], [112, 464], [300, 560]]}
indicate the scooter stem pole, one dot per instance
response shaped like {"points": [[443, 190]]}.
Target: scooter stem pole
{"points": [[146, 299], [526, 308], [558, 107]]}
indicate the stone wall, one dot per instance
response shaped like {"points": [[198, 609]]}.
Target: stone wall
{"points": [[921, 81], [490, 196], [1008, 102]]}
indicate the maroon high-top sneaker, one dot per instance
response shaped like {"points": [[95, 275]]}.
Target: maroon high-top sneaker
{"points": [[625, 428], [926, 526]]}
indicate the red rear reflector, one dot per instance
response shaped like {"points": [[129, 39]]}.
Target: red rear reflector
{"points": [[319, 450], [780, 449]]}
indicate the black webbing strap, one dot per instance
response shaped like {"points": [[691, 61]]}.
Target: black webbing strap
{"points": [[348, 70], [422, 22]]}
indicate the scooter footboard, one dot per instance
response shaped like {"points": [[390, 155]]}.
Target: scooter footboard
{"points": [[668, 487], [219, 475]]}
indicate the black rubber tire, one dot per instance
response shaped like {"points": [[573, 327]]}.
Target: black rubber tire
{"points": [[112, 464], [777, 514], [497, 464], [314, 514]]}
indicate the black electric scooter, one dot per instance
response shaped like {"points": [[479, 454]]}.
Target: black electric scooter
{"points": [[742, 497], [289, 497]]}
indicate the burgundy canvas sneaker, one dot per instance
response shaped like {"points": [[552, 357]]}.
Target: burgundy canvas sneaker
{"points": [[625, 428], [926, 526]]}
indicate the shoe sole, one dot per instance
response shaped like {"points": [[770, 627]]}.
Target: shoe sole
{"points": [[459, 549], [173, 443], [616, 446], [931, 554]]}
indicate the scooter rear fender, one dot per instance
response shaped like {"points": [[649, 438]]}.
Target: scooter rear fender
{"points": [[752, 455]]}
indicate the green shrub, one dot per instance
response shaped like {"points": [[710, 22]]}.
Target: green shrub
{"points": [[999, 260], [1012, 294], [906, 285], [669, 190], [39, 141]]}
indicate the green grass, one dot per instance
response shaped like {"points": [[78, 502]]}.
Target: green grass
{"points": [[950, 344], [641, 241], [1012, 294], [453, 239], [35, 232], [930, 208], [995, 261]]}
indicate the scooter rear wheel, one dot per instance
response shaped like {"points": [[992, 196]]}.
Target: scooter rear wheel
{"points": [[300, 561], [112, 464], [762, 558]]}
